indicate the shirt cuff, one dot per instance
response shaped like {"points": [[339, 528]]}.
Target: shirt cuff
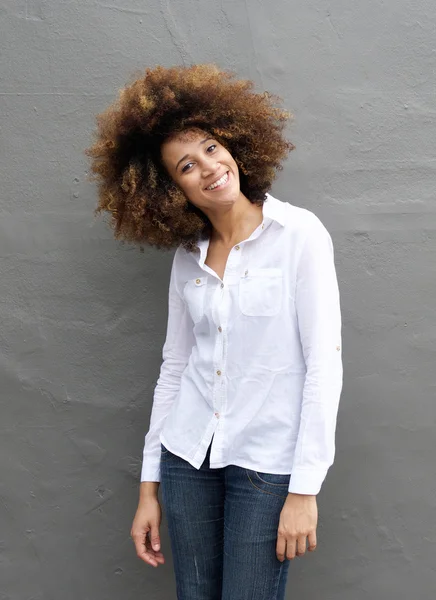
{"points": [[305, 481], [150, 471]]}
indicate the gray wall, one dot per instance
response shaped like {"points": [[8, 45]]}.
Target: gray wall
{"points": [[82, 317]]}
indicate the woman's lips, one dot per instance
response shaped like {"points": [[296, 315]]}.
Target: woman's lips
{"points": [[223, 185]]}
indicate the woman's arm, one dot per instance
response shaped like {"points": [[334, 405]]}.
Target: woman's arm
{"points": [[176, 352], [319, 323]]}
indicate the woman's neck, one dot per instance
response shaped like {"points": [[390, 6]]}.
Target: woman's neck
{"points": [[236, 224]]}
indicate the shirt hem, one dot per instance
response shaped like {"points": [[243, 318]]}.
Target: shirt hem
{"points": [[224, 463]]}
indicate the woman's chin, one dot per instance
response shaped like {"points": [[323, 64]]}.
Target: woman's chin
{"points": [[226, 199]]}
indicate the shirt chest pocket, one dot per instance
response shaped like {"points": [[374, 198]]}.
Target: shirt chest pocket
{"points": [[194, 294], [260, 292]]}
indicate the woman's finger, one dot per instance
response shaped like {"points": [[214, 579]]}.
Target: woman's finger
{"points": [[140, 541], [281, 547], [149, 559], [312, 541], [156, 554], [301, 545], [291, 547], [160, 558]]}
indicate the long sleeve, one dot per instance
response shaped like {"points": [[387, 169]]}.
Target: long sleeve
{"points": [[319, 324], [176, 351]]}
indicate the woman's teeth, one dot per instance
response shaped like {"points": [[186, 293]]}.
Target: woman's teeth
{"points": [[219, 182]]}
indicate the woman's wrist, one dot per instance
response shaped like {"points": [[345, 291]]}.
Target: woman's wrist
{"points": [[302, 497], [148, 490]]}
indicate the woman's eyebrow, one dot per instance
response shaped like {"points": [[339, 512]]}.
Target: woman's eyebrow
{"points": [[186, 155]]}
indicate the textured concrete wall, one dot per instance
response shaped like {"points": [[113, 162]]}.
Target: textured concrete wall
{"points": [[82, 317]]}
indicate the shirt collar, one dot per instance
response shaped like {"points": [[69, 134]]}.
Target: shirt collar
{"points": [[272, 210]]}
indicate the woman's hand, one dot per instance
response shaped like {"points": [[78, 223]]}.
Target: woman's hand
{"points": [[298, 521], [145, 530]]}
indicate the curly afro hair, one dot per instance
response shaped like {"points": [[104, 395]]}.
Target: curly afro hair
{"points": [[145, 204]]}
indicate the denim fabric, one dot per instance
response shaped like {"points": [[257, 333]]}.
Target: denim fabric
{"points": [[223, 530]]}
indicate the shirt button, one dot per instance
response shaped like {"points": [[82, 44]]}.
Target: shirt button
{"points": [[263, 226], [222, 285], [237, 247], [218, 372], [220, 328], [217, 415], [197, 281], [338, 347]]}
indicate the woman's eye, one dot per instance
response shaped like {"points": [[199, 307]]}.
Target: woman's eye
{"points": [[210, 149]]}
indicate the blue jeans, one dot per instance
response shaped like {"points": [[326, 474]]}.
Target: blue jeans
{"points": [[223, 529]]}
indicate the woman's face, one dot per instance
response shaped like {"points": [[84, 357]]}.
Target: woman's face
{"points": [[203, 169]]}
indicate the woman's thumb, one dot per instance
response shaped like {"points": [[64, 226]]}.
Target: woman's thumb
{"points": [[154, 538]]}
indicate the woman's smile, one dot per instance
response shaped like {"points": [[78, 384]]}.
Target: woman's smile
{"points": [[219, 183]]}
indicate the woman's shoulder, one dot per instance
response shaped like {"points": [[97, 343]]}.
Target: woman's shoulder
{"points": [[295, 218], [184, 261]]}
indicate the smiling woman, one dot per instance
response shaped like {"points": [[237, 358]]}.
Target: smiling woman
{"points": [[208, 175], [244, 411], [145, 203]]}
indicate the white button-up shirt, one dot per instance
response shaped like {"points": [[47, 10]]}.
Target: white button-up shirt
{"points": [[252, 362]]}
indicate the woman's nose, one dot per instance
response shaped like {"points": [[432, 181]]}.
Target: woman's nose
{"points": [[210, 166]]}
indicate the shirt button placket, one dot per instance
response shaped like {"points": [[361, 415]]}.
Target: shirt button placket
{"points": [[218, 398], [232, 266]]}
